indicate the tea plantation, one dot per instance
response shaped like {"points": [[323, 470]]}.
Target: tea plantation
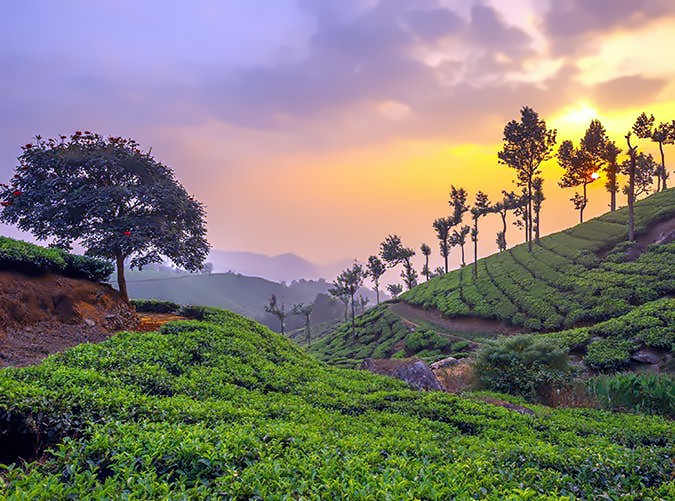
{"points": [[224, 408], [587, 275]]}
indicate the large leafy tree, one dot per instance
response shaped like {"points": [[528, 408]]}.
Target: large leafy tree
{"points": [[110, 197], [527, 143], [664, 133], [393, 253], [375, 269], [583, 164]]}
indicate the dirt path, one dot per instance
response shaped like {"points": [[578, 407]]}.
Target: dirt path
{"points": [[153, 321], [476, 327], [662, 232]]}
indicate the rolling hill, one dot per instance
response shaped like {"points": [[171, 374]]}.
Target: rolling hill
{"points": [[576, 278], [225, 408]]}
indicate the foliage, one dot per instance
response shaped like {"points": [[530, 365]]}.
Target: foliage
{"points": [[105, 193], [521, 365], [375, 269], [155, 306], [278, 310], [24, 257], [394, 253], [644, 393], [225, 408]]}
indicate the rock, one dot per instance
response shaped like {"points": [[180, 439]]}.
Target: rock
{"points": [[89, 322], [411, 370], [645, 357], [446, 362]]}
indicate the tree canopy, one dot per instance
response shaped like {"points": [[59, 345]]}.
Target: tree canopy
{"points": [[108, 196]]}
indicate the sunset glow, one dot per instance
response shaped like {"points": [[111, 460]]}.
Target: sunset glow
{"points": [[320, 127]]}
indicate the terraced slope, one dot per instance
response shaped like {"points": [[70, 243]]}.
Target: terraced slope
{"points": [[569, 278], [226, 409], [581, 276]]}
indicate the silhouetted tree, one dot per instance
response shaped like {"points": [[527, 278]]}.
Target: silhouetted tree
{"points": [[508, 203], [459, 238], [111, 198], [338, 289], [612, 169], [537, 201], [645, 167], [630, 191], [278, 310], [664, 133], [375, 269], [306, 311], [521, 213], [442, 226], [351, 280], [363, 302], [480, 208], [393, 253], [458, 198], [527, 144], [395, 290], [426, 252]]}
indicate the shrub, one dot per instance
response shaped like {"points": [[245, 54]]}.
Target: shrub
{"points": [[609, 354], [155, 306], [24, 257], [646, 393], [522, 365], [86, 267]]}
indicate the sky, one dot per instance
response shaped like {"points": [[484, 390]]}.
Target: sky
{"points": [[318, 127]]}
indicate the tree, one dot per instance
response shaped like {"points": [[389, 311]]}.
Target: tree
{"points": [[338, 289], [394, 290], [442, 225], [480, 208], [664, 133], [521, 212], [278, 310], [108, 196], [375, 269], [426, 252], [459, 238], [458, 198], [537, 201], [349, 282], [207, 268], [508, 203], [645, 168], [583, 164], [393, 253], [630, 190], [363, 302], [612, 152], [527, 144], [306, 311]]}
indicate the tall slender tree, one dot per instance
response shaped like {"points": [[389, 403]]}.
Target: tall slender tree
{"points": [[537, 201], [306, 311], [480, 208], [459, 238], [527, 144], [278, 310], [612, 152], [338, 289], [630, 191], [662, 134], [350, 281], [393, 253], [645, 168], [426, 252], [394, 290], [442, 225], [458, 199], [375, 269], [508, 203]]}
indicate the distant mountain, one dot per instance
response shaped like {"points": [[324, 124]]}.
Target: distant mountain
{"points": [[281, 268]]}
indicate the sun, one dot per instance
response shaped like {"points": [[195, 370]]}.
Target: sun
{"points": [[580, 115]]}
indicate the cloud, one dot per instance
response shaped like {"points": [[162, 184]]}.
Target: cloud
{"points": [[628, 91]]}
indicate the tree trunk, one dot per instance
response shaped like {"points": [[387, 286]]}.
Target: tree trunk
{"points": [[663, 168], [503, 214], [581, 210], [529, 214], [121, 281], [612, 200], [631, 191], [463, 263], [445, 258], [353, 315], [475, 250], [426, 264], [536, 228], [377, 292], [308, 331]]}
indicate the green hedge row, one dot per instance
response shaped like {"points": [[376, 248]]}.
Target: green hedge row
{"points": [[24, 257]]}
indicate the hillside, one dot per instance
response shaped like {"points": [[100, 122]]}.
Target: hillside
{"points": [[239, 293], [578, 277], [225, 408]]}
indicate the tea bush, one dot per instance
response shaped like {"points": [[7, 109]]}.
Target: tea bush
{"points": [[224, 408]]}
